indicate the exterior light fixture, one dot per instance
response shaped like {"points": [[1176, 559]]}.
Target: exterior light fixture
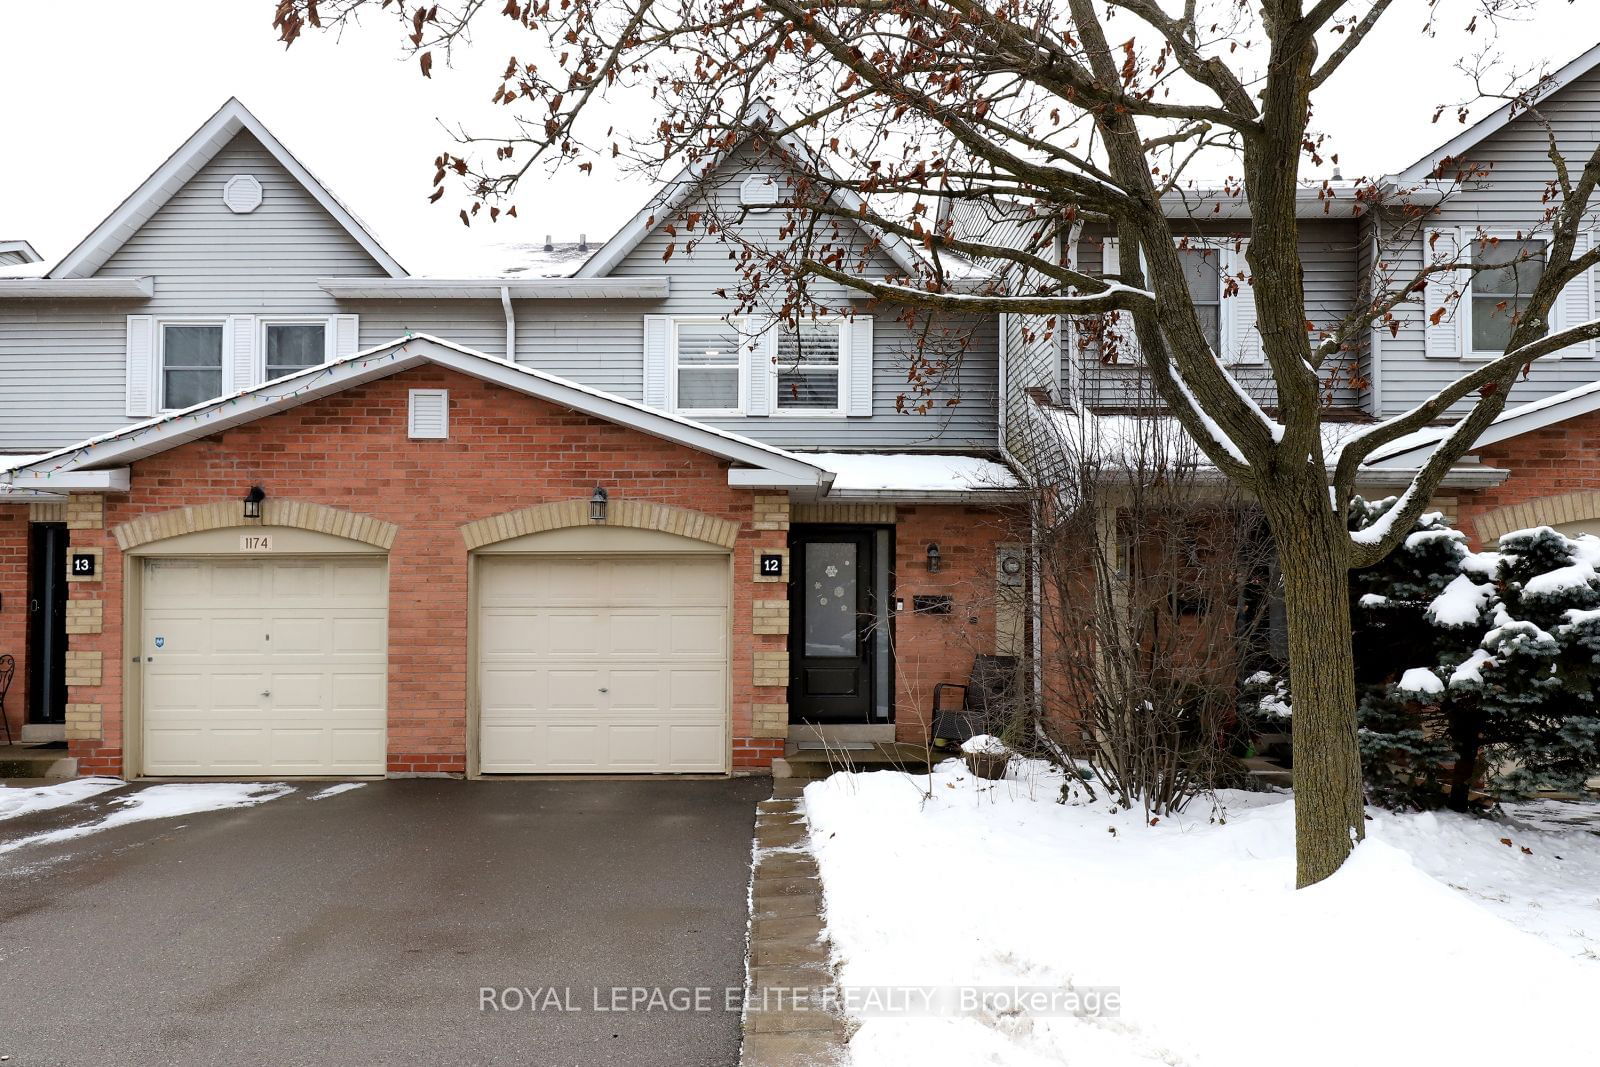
{"points": [[597, 505], [933, 557], [252, 502]]}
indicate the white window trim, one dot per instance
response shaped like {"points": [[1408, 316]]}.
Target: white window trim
{"points": [[262, 322], [1465, 312], [836, 412], [161, 324], [742, 360]]}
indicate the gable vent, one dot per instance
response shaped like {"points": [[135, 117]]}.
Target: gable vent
{"points": [[759, 192], [430, 415], [242, 194]]}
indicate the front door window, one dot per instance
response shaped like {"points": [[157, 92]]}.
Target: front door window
{"points": [[832, 574]]}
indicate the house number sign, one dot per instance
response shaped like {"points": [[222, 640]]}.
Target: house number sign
{"points": [[83, 564], [255, 542], [771, 565]]}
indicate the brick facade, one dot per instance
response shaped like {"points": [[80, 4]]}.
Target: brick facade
{"points": [[14, 606], [350, 452], [1558, 461]]}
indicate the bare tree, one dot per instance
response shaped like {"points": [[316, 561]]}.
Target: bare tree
{"points": [[1155, 577], [1083, 111]]}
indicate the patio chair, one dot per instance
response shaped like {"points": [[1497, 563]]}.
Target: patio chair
{"points": [[979, 705], [8, 670]]}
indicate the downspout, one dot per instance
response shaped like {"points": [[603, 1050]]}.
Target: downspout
{"points": [[1035, 589], [511, 324], [1375, 342]]}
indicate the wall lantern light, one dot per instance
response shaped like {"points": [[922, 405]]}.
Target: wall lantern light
{"points": [[597, 505], [252, 502], [933, 557]]}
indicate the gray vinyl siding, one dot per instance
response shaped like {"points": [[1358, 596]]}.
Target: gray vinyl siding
{"points": [[63, 374], [1329, 258], [972, 382], [1510, 198]]}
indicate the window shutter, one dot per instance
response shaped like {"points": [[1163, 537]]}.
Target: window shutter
{"points": [[761, 348], [858, 376], [1240, 338], [1443, 339], [429, 417], [346, 333], [142, 370], [241, 362], [1118, 333], [657, 336], [1575, 306]]}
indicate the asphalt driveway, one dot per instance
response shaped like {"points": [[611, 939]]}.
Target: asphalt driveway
{"points": [[362, 928]]}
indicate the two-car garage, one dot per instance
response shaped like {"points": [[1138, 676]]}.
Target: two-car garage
{"points": [[277, 663]]}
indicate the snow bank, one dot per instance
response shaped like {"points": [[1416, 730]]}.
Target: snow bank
{"points": [[166, 802], [16, 801], [1220, 961]]}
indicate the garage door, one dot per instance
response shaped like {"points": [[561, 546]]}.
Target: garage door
{"points": [[264, 666], [609, 664]]}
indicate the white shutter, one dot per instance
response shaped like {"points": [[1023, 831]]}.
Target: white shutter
{"points": [[346, 336], [1575, 306], [142, 369], [761, 348], [1240, 338], [1443, 340], [858, 373], [429, 416], [241, 364], [1118, 324], [657, 336]]}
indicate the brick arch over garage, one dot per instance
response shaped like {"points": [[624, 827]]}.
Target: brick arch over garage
{"points": [[634, 514], [296, 514], [1544, 511]]}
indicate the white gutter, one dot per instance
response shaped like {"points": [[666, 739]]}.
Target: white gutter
{"points": [[115, 480], [77, 288], [511, 324], [651, 288]]}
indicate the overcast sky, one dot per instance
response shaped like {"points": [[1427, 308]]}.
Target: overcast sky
{"points": [[96, 93]]}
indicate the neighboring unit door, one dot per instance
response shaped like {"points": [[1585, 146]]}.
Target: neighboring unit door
{"points": [[266, 666], [602, 664], [47, 623], [832, 641]]}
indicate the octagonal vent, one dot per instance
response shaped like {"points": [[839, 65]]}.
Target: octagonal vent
{"points": [[242, 194]]}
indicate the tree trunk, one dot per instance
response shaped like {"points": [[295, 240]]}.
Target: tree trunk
{"points": [[1313, 553], [1467, 735]]}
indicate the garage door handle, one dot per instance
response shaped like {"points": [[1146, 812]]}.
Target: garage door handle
{"points": [[603, 689], [267, 693]]}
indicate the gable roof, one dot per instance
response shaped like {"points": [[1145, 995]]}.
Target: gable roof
{"points": [[66, 467], [202, 146], [1512, 422], [661, 206], [1497, 120], [23, 249]]}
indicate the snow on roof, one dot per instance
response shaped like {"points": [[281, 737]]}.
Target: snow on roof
{"points": [[512, 259], [1126, 438], [25, 270], [913, 472]]}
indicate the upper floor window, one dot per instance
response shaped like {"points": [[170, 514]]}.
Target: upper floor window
{"points": [[294, 346], [191, 363], [1202, 270], [707, 356], [808, 364], [1500, 293]]}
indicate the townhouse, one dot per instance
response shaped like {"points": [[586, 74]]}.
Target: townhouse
{"points": [[273, 505]]}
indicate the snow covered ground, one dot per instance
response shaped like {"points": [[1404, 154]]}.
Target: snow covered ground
{"points": [[16, 801], [161, 802], [1438, 941]]}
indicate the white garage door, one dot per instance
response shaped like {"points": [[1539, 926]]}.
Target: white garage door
{"points": [[265, 666], [609, 664]]}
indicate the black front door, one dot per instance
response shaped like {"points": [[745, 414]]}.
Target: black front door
{"points": [[835, 602], [47, 622]]}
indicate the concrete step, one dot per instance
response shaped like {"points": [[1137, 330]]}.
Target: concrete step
{"points": [[39, 733], [883, 756], [31, 761], [1267, 772]]}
